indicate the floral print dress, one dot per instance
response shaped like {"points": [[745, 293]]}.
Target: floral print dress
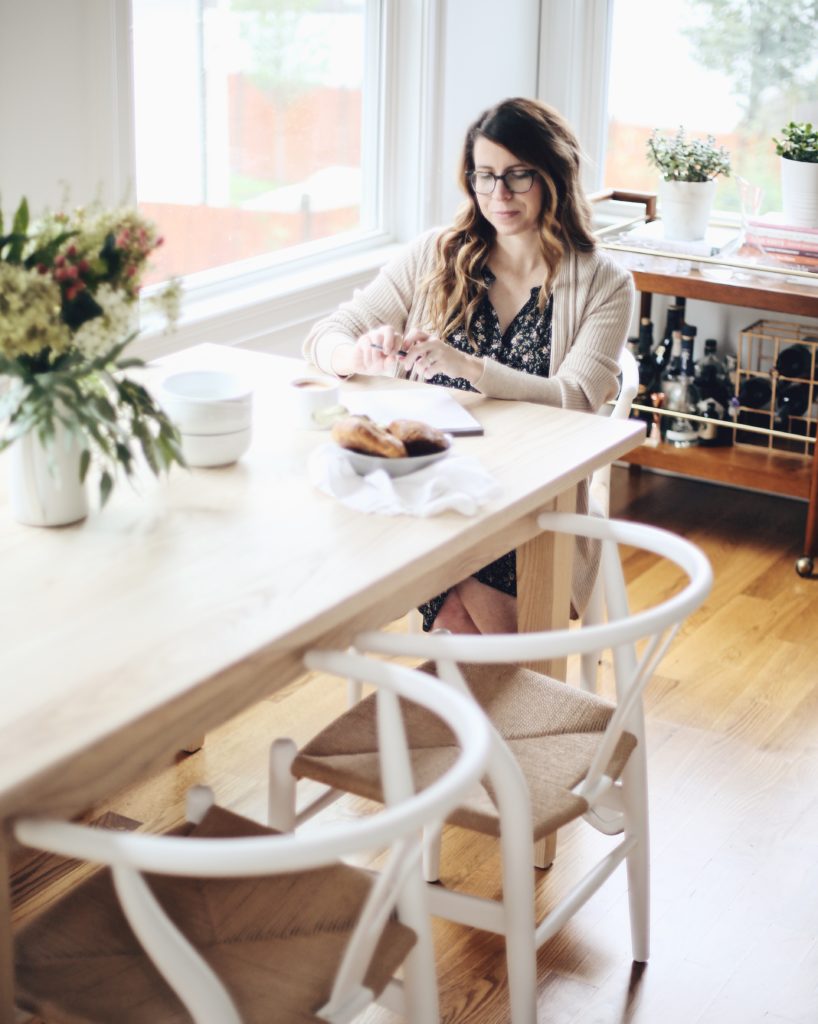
{"points": [[525, 345]]}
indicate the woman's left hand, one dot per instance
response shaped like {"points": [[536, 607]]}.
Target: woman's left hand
{"points": [[429, 356]]}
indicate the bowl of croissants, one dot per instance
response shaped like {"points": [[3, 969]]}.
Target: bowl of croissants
{"points": [[400, 447]]}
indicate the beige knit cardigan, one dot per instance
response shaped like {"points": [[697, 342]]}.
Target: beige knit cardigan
{"points": [[593, 305]]}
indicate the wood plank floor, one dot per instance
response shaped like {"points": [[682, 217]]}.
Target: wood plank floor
{"points": [[733, 759]]}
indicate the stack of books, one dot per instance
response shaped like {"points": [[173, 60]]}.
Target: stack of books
{"points": [[717, 240], [787, 243]]}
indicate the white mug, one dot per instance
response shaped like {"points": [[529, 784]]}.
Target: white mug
{"points": [[313, 400]]}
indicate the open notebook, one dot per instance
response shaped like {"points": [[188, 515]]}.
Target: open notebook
{"points": [[433, 406]]}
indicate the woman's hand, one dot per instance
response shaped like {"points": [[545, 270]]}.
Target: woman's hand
{"points": [[428, 356], [377, 351]]}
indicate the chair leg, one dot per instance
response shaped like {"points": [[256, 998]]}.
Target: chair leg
{"points": [[518, 887], [355, 691], [432, 843], [281, 786], [635, 801], [198, 801], [521, 953], [419, 969], [589, 663], [545, 850]]}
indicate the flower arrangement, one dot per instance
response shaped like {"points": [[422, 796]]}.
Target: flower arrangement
{"points": [[681, 159], [69, 287], [799, 142]]}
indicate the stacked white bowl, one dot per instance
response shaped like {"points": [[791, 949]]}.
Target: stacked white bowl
{"points": [[213, 411]]}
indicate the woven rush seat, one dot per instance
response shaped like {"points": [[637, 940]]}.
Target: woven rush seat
{"points": [[552, 728], [275, 942]]}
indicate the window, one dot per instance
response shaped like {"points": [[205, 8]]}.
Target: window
{"points": [[256, 127], [736, 69]]}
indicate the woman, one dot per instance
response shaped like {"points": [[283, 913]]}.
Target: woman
{"points": [[513, 300]]}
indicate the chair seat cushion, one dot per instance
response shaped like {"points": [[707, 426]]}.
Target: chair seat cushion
{"points": [[552, 728], [275, 942]]}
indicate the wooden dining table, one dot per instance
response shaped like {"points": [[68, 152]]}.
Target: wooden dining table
{"points": [[190, 598]]}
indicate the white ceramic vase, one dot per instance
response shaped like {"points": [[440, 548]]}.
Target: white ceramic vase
{"points": [[44, 484], [685, 208], [799, 192]]}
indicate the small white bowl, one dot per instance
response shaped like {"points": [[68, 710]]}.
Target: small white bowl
{"points": [[207, 402], [215, 449], [364, 464]]}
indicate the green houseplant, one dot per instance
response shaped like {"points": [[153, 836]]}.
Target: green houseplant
{"points": [[688, 168], [69, 287], [798, 152], [799, 141], [679, 158]]}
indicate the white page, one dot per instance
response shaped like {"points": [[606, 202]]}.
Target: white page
{"points": [[433, 406]]}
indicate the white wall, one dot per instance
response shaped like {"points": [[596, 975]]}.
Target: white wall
{"points": [[490, 54], [60, 102]]}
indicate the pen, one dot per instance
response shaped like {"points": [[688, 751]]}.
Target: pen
{"points": [[400, 352]]}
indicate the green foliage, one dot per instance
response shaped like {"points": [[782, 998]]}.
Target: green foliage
{"points": [[282, 64], [68, 290], [766, 47], [799, 142], [113, 418], [681, 159]]}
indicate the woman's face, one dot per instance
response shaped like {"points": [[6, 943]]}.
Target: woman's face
{"points": [[509, 213]]}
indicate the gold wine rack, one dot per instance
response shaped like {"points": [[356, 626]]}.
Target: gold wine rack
{"points": [[757, 355]]}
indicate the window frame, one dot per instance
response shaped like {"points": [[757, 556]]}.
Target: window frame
{"points": [[271, 301], [573, 74]]}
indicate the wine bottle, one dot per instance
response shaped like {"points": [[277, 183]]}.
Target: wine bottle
{"points": [[683, 396], [755, 392], [713, 433], [794, 361], [791, 400], [684, 337], [661, 355], [647, 372]]}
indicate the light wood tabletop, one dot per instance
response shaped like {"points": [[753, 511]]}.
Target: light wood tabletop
{"points": [[187, 601]]}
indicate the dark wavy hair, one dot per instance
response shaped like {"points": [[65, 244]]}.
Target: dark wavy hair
{"points": [[542, 139]]}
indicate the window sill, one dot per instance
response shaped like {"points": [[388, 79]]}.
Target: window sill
{"points": [[269, 314]]}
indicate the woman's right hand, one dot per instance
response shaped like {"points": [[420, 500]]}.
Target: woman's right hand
{"points": [[377, 351]]}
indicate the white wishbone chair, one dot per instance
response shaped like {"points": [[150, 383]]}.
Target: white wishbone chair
{"points": [[579, 755], [600, 504], [232, 922]]}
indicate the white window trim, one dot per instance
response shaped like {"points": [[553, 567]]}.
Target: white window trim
{"points": [[273, 308], [573, 73]]}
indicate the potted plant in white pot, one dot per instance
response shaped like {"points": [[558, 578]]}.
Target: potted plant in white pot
{"points": [[689, 168], [69, 292], [798, 150]]}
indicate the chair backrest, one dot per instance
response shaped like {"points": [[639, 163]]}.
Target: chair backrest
{"points": [[397, 827], [620, 410], [619, 634], [628, 385]]}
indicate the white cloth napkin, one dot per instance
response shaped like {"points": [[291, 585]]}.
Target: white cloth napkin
{"points": [[458, 483]]}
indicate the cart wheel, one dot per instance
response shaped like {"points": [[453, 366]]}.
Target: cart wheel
{"points": [[804, 566]]}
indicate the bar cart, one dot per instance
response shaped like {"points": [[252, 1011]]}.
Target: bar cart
{"points": [[738, 275]]}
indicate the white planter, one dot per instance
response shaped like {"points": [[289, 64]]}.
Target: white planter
{"points": [[799, 192], [685, 208], [44, 485]]}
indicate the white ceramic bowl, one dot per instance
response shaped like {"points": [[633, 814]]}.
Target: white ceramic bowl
{"points": [[363, 464], [207, 402], [215, 449]]}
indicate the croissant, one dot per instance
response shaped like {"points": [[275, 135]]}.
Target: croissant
{"points": [[361, 434]]}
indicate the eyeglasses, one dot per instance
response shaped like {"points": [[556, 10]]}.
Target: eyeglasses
{"points": [[484, 182]]}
